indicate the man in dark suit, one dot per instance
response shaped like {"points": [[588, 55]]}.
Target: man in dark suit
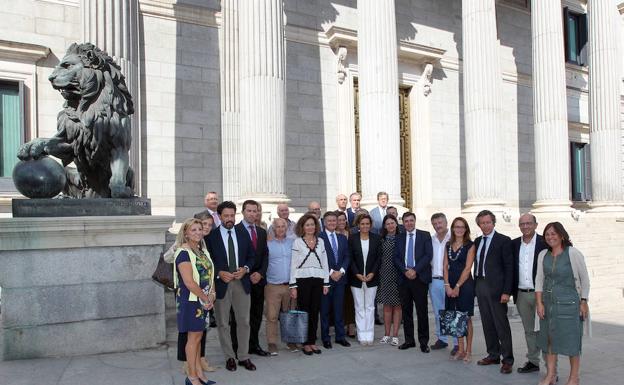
{"points": [[525, 251], [493, 272], [354, 199], [412, 259], [233, 256], [257, 276], [336, 246]]}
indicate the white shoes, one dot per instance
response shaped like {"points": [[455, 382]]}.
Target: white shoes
{"points": [[385, 340], [395, 341]]}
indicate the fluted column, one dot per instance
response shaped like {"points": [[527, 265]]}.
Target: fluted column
{"points": [[605, 135], [550, 114], [113, 26], [346, 134], [262, 107], [482, 95], [230, 113], [379, 101]]}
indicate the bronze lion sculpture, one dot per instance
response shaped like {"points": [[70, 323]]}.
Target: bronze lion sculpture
{"points": [[93, 129]]}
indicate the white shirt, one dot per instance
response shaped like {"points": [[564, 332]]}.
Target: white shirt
{"points": [[329, 236], [382, 211], [224, 237], [525, 263], [437, 262], [365, 244], [488, 240], [407, 239]]}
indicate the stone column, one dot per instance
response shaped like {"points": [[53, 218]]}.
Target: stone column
{"points": [[346, 133], [605, 135], [550, 113], [113, 26], [230, 113], [482, 95], [379, 101], [262, 106]]}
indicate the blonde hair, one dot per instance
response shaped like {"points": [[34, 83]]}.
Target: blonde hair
{"points": [[180, 238]]}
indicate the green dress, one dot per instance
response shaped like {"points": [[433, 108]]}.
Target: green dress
{"points": [[562, 324]]}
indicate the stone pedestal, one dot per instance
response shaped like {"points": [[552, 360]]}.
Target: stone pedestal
{"points": [[80, 285]]}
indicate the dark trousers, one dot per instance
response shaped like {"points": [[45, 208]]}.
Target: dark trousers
{"points": [[414, 292], [333, 302], [182, 338], [256, 309], [309, 294], [495, 323]]}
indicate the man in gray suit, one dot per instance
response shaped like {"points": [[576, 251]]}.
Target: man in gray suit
{"points": [[379, 212]]}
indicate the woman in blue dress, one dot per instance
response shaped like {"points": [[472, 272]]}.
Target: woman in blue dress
{"points": [[459, 255], [195, 294]]}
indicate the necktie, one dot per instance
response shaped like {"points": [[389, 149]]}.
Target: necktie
{"points": [[231, 253], [410, 251], [216, 219], [334, 246], [254, 236], [481, 257]]}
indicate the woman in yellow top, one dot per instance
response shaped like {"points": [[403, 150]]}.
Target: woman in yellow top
{"points": [[195, 294]]}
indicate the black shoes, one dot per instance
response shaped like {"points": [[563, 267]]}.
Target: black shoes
{"points": [[529, 367], [439, 344], [327, 345], [247, 364], [424, 348], [344, 343], [307, 352], [258, 351], [316, 351], [230, 364], [407, 345]]}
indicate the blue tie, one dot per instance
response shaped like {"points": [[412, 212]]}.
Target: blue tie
{"points": [[410, 251], [334, 246]]}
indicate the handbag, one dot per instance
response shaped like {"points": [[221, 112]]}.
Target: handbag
{"points": [[453, 323], [163, 274], [294, 326]]}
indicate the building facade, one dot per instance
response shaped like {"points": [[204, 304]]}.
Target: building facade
{"points": [[446, 105]]}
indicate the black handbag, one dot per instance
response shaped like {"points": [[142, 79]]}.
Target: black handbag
{"points": [[163, 274]]}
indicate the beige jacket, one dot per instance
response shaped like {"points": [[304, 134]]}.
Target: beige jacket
{"points": [[581, 280]]}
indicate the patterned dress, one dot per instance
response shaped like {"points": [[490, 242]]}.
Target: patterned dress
{"points": [[191, 316], [388, 291]]}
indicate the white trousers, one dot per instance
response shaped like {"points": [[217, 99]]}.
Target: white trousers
{"points": [[364, 300]]}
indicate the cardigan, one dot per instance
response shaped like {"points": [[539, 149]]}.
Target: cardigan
{"points": [[581, 280], [193, 258]]}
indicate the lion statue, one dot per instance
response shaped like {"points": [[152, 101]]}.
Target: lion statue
{"points": [[93, 129]]}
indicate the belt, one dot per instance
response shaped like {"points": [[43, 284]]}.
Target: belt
{"points": [[442, 278], [527, 290], [280, 284]]}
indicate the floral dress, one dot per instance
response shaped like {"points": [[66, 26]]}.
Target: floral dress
{"points": [[191, 316]]}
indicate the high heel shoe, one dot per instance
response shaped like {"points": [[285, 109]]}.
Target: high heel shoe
{"points": [[467, 357], [546, 381]]}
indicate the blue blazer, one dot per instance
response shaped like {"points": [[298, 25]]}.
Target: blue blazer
{"points": [[423, 253], [350, 217], [218, 253], [343, 256]]}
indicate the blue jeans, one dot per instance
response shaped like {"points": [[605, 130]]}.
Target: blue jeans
{"points": [[438, 298]]}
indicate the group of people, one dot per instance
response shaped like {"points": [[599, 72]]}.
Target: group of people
{"points": [[338, 265]]}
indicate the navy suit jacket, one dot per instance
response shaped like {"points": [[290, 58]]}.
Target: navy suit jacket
{"points": [[343, 256], [515, 245], [373, 259], [498, 266], [350, 217], [423, 253], [261, 260], [218, 253]]}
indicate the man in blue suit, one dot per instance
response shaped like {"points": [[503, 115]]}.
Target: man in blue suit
{"points": [[379, 212], [412, 259], [354, 199], [233, 255], [336, 246]]}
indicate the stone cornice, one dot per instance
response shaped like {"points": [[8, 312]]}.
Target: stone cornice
{"points": [[23, 51], [407, 50], [180, 12], [71, 3]]}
